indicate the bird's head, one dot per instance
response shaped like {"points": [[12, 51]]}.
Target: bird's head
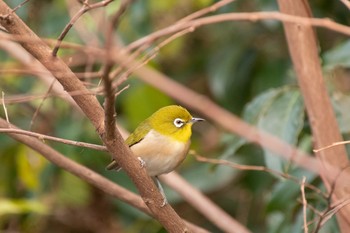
{"points": [[173, 121]]}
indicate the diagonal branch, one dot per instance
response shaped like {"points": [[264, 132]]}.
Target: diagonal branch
{"points": [[85, 8], [92, 109], [81, 171], [303, 47]]}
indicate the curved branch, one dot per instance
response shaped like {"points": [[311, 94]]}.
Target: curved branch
{"points": [[81, 171], [92, 109]]}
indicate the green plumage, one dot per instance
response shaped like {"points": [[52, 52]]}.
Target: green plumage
{"points": [[140, 132]]}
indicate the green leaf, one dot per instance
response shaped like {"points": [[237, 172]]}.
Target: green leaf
{"points": [[341, 104], [11, 206], [281, 113], [338, 56], [30, 166], [256, 108]]}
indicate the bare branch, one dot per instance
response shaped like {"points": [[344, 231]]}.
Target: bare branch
{"points": [[304, 50], [109, 104], [257, 168], [4, 106], [14, 10], [84, 173], [55, 139], [304, 202], [91, 107], [85, 8], [41, 103], [331, 145], [251, 16], [205, 11], [346, 3], [203, 204]]}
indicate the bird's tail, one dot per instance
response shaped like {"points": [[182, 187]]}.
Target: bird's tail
{"points": [[113, 166]]}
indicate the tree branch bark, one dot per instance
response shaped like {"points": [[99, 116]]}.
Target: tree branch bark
{"points": [[92, 109], [303, 47], [83, 172]]}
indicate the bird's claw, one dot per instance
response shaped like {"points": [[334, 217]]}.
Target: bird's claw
{"points": [[142, 162], [165, 202]]}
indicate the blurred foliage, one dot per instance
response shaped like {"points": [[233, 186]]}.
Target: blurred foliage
{"points": [[242, 66]]}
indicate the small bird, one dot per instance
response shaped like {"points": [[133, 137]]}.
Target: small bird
{"points": [[161, 142]]}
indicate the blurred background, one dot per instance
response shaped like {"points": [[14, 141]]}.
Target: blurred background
{"points": [[242, 66]]}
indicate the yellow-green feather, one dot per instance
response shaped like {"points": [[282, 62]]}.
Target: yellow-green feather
{"points": [[163, 122], [140, 132]]}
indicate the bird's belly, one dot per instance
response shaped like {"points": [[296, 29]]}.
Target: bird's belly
{"points": [[160, 153]]}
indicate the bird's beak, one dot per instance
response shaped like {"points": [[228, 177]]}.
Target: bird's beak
{"points": [[196, 119]]}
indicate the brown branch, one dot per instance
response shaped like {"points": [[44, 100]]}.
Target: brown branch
{"points": [[250, 16], [258, 168], [220, 116], [346, 3], [330, 212], [224, 118], [4, 106], [303, 47], [54, 139], [193, 196], [173, 180], [92, 109], [205, 11], [331, 146], [203, 204], [81, 171], [20, 54], [304, 202], [218, 217], [109, 104], [15, 9]]}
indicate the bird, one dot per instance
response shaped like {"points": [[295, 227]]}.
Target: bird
{"points": [[161, 142]]}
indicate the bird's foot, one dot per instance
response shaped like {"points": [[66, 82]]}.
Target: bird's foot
{"points": [[165, 202], [142, 162]]}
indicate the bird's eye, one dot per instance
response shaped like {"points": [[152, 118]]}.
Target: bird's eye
{"points": [[178, 122]]}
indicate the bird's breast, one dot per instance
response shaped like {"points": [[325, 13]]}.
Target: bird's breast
{"points": [[161, 154]]}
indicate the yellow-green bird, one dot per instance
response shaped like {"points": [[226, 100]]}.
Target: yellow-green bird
{"points": [[161, 142]]}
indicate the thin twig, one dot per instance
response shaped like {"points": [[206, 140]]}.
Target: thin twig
{"points": [[245, 16], [55, 139], [4, 106], [109, 104], [121, 90], [27, 98], [304, 202], [5, 17], [331, 145], [330, 212], [256, 168], [41, 103], [149, 56], [88, 175], [86, 7], [204, 11], [94, 112]]}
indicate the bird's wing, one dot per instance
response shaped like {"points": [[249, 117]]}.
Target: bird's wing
{"points": [[140, 132]]}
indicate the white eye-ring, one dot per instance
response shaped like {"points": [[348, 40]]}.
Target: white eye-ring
{"points": [[179, 122]]}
